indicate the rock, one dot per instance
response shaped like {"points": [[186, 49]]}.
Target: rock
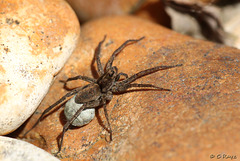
{"points": [[87, 10], [199, 117], [13, 149], [154, 11], [36, 39]]}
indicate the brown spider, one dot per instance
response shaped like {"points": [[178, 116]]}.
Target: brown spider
{"points": [[80, 109]]}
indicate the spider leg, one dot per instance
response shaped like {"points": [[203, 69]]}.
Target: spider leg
{"points": [[87, 79], [52, 106], [107, 117], [69, 122], [98, 51], [146, 85], [147, 72], [84, 78], [110, 61]]}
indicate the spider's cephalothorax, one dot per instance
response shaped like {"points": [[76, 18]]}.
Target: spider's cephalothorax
{"points": [[80, 109]]}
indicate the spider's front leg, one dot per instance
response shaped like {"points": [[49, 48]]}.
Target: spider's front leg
{"points": [[123, 85]]}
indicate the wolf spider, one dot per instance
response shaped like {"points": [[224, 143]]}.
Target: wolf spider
{"points": [[99, 91]]}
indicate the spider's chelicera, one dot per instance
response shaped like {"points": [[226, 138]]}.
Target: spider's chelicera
{"points": [[80, 109]]}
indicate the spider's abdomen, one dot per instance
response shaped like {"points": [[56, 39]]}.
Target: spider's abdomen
{"points": [[88, 93], [71, 107]]}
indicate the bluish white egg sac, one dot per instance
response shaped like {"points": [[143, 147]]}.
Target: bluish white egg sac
{"points": [[71, 107]]}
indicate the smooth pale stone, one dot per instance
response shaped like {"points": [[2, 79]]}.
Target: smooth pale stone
{"points": [[36, 39], [13, 149]]}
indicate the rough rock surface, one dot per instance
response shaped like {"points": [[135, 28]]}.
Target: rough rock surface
{"points": [[198, 119], [36, 39]]}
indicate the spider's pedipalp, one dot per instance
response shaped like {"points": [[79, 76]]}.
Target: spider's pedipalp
{"points": [[119, 75]]}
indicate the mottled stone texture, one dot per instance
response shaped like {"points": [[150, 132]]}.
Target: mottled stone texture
{"points": [[36, 39], [198, 118]]}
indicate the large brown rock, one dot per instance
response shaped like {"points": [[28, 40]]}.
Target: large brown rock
{"points": [[197, 120]]}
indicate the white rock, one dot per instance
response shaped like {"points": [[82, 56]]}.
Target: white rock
{"points": [[13, 149], [36, 39]]}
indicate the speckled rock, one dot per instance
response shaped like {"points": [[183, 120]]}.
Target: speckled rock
{"points": [[13, 149], [36, 39], [196, 120], [91, 9]]}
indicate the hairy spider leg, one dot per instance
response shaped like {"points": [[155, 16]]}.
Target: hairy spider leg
{"points": [[146, 85], [147, 72], [121, 86], [66, 126], [84, 78], [73, 92], [107, 118], [98, 51], [118, 50], [99, 67]]}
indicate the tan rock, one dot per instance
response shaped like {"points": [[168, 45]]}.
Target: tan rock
{"points": [[91, 9], [198, 119], [36, 39]]}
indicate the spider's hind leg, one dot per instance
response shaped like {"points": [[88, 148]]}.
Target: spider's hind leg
{"points": [[51, 107], [108, 122], [66, 126]]}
